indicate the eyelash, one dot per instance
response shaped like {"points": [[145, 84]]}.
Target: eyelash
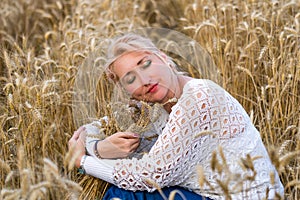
{"points": [[131, 80], [145, 65]]}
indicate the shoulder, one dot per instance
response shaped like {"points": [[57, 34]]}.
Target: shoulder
{"points": [[194, 93], [200, 83], [201, 94], [201, 88]]}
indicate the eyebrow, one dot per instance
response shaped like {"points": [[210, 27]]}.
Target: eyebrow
{"points": [[138, 63]]}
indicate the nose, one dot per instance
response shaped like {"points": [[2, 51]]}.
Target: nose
{"points": [[144, 78]]}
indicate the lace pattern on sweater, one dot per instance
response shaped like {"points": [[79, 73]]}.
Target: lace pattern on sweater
{"points": [[204, 118], [203, 106]]}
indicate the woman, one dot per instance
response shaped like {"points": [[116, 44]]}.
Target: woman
{"points": [[208, 144]]}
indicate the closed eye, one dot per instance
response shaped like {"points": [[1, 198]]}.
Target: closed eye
{"points": [[130, 78], [146, 64]]}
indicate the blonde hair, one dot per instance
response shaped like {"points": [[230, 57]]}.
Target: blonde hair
{"points": [[128, 43]]}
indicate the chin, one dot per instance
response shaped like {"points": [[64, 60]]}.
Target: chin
{"points": [[158, 98]]}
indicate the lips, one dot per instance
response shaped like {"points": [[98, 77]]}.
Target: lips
{"points": [[152, 88]]}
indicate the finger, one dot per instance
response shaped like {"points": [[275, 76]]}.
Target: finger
{"points": [[71, 143], [78, 132], [129, 144], [81, 128], [136, 142], [134, 147], [82, 135], [81, 143], [76, 135], [122, 135], [133, 141], [130, 135], [73, 138]]}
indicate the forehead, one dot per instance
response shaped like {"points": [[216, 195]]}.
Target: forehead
{"points": [[128, 62]]}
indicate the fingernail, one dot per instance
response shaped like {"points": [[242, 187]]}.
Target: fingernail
{"points": [[136, 135]]}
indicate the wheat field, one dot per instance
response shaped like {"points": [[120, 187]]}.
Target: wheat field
{"points": [[255, 45]]}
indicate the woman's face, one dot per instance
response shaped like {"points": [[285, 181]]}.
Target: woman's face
{"points": [[145, 76]]}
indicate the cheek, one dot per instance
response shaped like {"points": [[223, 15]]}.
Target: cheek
{"points": [[134, 90], [130, 90], [135, 93], [165, 75]]}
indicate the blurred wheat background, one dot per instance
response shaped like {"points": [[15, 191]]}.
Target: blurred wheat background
{"points": [[255, 45]]}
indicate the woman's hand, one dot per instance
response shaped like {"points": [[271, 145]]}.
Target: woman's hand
{"points": [[119, 145], [77, 144]]}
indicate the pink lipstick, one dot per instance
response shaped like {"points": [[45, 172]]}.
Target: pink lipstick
{"points": [[153, 88]]}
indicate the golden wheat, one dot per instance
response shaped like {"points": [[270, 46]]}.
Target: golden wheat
{"points": [[44, 44]]}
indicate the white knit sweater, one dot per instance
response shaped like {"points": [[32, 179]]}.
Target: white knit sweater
{"points": [[205, 119]]}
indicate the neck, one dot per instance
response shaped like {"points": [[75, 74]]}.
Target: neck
{"points": [[173, 97]]}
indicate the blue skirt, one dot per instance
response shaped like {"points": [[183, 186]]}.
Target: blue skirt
{"points": [[115, 192]]}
